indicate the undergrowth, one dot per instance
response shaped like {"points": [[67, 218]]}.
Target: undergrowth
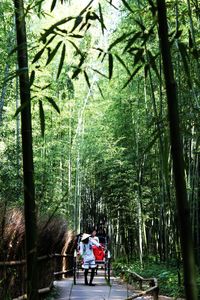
{"points": [[170, 279]]}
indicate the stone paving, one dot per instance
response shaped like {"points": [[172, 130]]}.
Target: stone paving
{"points": [[66, 290]]}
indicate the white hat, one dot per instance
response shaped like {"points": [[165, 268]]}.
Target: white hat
{"points": [[85, 236]]}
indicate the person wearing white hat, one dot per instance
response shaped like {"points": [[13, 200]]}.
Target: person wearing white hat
{"points": [[86, 252]]}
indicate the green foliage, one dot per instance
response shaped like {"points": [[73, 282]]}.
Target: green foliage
{"points": [[105, 149], [167, 275]]}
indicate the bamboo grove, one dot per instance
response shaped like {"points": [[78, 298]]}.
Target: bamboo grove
{"points": [[102, 141]]}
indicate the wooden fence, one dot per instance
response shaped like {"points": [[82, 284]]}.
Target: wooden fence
{"points": [[150, 284], [48, 271]]}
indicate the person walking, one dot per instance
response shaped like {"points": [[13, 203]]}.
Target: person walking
{"points": [[86, 252]]}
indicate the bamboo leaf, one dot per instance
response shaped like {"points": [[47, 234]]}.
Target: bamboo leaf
{"points": [[53, 53], [100, 90], [53, 4], [32, 77], [38, 55], [51, 29], [46, 86], [87, 17], [50, 40], [77, 49], [123, 64], [64, 31], [76, 72], [99, 49], [110, 65], [101, 19], [42, 118], [97, 71], [84, 10], [83, 25], [143, 28], [100, 54], [110, 2], [93, 16], [147, 35], [184, 56], [82, 59], [88, 26], [104, 55], [86, 78], [127, 6], [132, 40], [119, 40], [76, 36], [152, 142], [131, 77], [21, 107], [53, 103], [77, 22], [62, 58], [152, 62], [138, 55]]}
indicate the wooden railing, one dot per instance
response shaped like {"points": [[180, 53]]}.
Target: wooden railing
{"points": [[23, 261], [17, 263], [152, 282]]}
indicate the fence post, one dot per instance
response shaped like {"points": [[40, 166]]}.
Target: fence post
{"points": [[74, 266], [155, 294], [140, 284]]}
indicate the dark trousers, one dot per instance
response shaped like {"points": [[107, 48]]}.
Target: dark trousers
{"points": [[91, 277]]}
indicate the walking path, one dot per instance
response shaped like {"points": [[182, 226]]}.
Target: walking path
{"points": [[66, 290]]}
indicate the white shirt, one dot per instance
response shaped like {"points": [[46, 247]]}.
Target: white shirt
{"points": [[95, 238], [86, 249]]}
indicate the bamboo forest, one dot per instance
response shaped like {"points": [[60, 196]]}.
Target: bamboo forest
{"points": [[100, 131]]}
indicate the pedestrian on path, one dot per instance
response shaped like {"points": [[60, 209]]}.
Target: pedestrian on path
{"points": [[86, 252], [94, 235]]}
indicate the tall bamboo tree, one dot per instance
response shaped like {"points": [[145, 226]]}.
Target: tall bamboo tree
{"points": [[177, 156], [27, 149]]}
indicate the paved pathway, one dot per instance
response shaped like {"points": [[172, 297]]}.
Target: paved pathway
{"points": [[66, 290]]}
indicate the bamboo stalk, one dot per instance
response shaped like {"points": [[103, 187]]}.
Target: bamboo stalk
{"points": [[177, 156], [27, 151]]}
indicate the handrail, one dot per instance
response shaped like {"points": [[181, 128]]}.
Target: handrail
{"points": [[12, 263], [154, 289], [23, 261], [62, 272]]}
